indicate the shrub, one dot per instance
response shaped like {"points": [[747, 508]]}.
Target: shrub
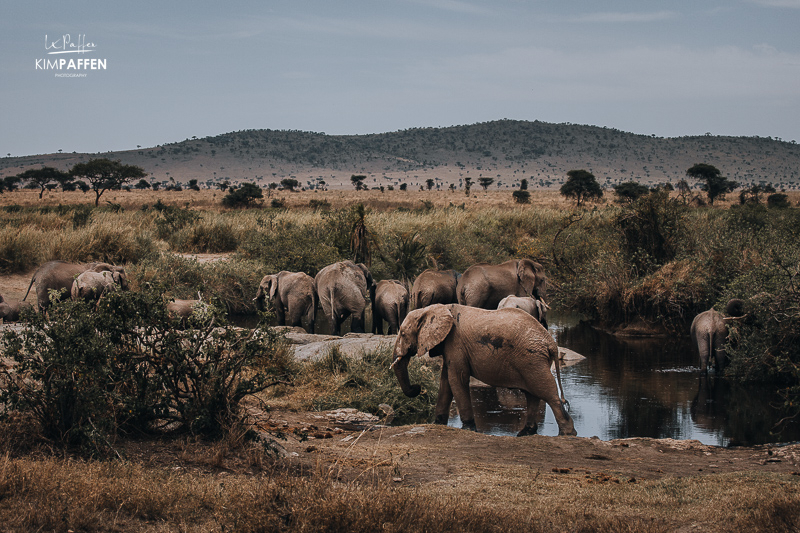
{"points": [[87, 375], [247, 195], [521, 197], [778, 200]]}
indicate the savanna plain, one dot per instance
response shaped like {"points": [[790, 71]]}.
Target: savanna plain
{"points": [[280, 457]]}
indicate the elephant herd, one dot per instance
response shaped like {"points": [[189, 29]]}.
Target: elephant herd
{"points": [[489, 322]]}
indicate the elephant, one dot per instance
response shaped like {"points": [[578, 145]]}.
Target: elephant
{"points": [[293, 297], [710, 333], [503, 348], [91, 286], [10, 310], [183, 309], [484, 285], [343, 289], [390, 304], [536, 308], [434, 287], [59, 275]]}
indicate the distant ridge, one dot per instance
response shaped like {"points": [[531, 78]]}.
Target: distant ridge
{"points": [[506, 150]]}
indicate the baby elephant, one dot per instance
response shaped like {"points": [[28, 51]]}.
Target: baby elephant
{"points": [[709, 333], [533, 306], [389, 303], [183, 309], [9, 310], [91, 286]]}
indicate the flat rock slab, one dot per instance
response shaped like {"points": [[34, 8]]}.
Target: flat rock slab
{"points": [[308, 347]]}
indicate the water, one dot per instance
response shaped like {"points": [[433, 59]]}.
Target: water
{"points": [[648, 387]]}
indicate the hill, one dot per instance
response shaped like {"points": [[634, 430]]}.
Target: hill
{"points": [[506, 150]]}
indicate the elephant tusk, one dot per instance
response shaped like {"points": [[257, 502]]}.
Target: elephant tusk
{"points": [[546, 307]]}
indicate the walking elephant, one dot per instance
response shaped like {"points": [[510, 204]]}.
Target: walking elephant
{"points": [[390, 304], [710, 333], [536, 308], [59, 275], [484, 285], [434, 287], [343, 289], [503, 348], [91, 286], [293, 297]]}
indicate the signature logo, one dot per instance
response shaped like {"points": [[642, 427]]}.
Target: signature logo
{"points": [[65, 45]]}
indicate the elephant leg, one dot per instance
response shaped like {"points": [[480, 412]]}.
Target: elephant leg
{"points": [[532, 415], [357, 324], [458, 379], [541, 384], [310, 317], [444, 399], [280, 314], [704, 348]]}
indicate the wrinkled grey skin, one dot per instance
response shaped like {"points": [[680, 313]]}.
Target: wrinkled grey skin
{"points": [[434, 287], [10, 309], [503, 348], [536, 308], [710, 334], [59, 275], [293, 297], [390, 304], [343, 289], [91, 286], [182, 308], [484, 285]]}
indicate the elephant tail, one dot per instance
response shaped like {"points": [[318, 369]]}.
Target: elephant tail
{"points": [[33, 278], [555, 359]]}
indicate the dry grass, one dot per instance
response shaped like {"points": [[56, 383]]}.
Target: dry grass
{"points": [[64, 495]]}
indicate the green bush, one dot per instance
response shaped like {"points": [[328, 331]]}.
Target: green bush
{"points": [[365, 382], [246, 195], [88, 375]]}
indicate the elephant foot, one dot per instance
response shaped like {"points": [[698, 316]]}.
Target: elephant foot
{"points": [[441, 420], [468, 424], [528, 430]]}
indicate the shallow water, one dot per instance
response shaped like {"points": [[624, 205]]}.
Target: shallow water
{"points": [[639, 388]]}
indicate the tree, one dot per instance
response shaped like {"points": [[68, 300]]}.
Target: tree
{"points": [[9, 183], [403, 186], [143, 184], [523, 184], [223, 186], [467, 185], [581, 185], [246, 195], [104, 174], [630, 191], [716, 185], [485, 182], [289, 184], [521, 197], [358, 181], [193, 185], [430, 183], [42, 177]]}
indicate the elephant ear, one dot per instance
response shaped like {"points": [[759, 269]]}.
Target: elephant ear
{"points": [[530, 276], [273, 287], [434, 326]]}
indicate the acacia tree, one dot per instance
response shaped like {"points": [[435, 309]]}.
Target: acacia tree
{"points": [[581, 185], [485, 182], [105, 174], [358, 181], [716, 185], [630, 191], [42, 177]]}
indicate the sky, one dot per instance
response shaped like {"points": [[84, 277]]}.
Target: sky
{"points": [[181, 69]]}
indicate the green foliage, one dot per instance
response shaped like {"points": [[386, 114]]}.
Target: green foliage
{"points": [[630, 191], [485, 182], [521, 197], [715, 184], [366, 382], [88, 375], [778, 201], [43, 177], [651, 230], [405, 256], [289, 184], [582, 186], [104, 174], [358, 181], [247, 195]]}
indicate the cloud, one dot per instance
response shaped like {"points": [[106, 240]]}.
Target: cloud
{"points": [[614, 17], [792, 4]]}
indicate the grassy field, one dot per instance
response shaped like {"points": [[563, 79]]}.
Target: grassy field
{"points": [[649, 266]]}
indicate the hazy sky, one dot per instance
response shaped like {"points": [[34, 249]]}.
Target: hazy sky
{"points": [[177, 69]]}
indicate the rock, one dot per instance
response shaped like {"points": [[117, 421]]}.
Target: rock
{"points": [[312, 347]]}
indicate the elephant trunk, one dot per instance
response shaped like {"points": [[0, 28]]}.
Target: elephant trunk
{"points": [[400, 366], [260, 302]]}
